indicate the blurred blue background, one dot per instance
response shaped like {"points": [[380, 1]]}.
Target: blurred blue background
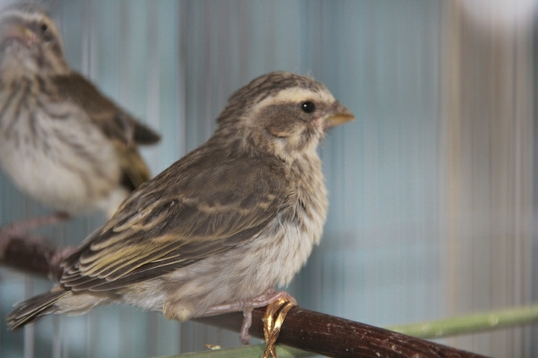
{"points": [[432, 198]]}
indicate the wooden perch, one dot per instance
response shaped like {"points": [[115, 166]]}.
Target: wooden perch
{"points": [[308, 330], [29, 255], [337, 337]]}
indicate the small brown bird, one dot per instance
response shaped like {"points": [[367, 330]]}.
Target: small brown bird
{"points": [[217, 230], [62, 142]]}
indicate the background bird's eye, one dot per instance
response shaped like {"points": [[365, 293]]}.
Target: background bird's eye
{"points": [[308, 107], [43, 27]]}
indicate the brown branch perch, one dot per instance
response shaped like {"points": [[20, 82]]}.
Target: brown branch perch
{"points": [[307, 330], [337, 337], [29, 255]]}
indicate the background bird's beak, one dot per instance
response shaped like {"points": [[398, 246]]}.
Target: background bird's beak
{"points": [[17, 32], [338, 114]]}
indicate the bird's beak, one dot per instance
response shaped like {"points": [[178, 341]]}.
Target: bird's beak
{"points": [[337, 115], [18, 32]]}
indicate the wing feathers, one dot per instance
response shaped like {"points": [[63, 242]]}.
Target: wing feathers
{"points": [[154, 232]]}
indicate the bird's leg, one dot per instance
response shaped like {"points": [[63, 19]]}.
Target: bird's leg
{"points": [[21, 227], [244, 336], [247, 307]]}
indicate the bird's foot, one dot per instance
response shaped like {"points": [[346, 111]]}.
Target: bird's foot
{"points": [[248, 306], [274, 317]]}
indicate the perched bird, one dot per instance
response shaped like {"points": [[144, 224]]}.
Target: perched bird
{"points": [[62, 142], [217, 230]]}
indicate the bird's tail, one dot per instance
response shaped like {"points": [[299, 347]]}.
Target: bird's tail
{"points": [[34, 308]]}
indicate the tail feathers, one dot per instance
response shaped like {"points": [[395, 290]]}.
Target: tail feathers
{"points": [[34, 308], [145, 135]]}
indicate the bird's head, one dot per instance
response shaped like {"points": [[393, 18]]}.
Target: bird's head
{"points": [[30, 41], [282, 113]]}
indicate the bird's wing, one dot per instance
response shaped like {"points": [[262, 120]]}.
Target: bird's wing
{"points": [[120, 127], [114, 121], [189, 212]]}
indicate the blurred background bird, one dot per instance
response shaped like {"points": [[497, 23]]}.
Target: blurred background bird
{"points": [[62, 142], [217, 230]]}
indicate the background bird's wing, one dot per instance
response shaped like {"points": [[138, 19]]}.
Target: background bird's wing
{"points": [[189, 212], [124, 130], [114, 121]]}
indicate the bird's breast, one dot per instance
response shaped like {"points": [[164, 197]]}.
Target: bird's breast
{"points": [[291, 236], [50, 149]]}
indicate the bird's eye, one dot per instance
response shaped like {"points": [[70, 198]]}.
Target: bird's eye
{"points": [[308, 107], [43, 27]]}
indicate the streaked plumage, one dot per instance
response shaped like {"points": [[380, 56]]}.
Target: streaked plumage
{"points": [[62, 141], [226, 223]]}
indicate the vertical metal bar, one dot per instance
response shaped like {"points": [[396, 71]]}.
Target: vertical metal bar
{"points": [[29, 331]]}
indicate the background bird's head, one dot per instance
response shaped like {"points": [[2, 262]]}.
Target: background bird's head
{"points": [[282, 113], [30, 42]]}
